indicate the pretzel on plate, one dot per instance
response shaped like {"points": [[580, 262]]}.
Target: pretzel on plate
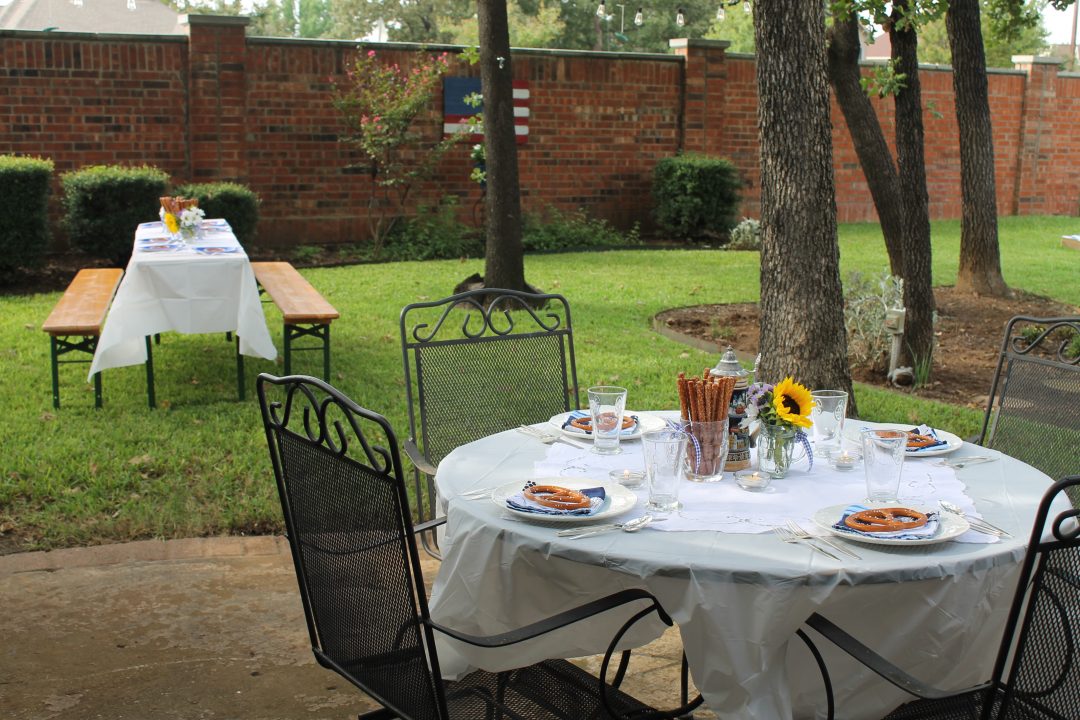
{"points": [[885, 520], [560, 498], [915, 440], [585, 423]]}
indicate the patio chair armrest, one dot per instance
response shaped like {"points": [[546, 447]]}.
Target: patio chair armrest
{"points": [[836, 635], [557, 621], [417, 458], [429, 525]]}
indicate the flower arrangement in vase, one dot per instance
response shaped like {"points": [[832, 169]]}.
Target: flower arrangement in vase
{"points": [[182, 217], [782, 412]]}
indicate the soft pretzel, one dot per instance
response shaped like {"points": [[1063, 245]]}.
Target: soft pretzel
{"points": [[885, 520], [560, 498], [585, 423], [915, 440]]}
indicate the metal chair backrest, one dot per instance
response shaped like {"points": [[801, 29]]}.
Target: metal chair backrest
{"points": [[1033, 413], [1042, 633], [346, 512]]}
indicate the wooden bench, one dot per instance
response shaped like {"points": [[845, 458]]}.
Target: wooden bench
{"points": [[306, 312], [80, 313]]}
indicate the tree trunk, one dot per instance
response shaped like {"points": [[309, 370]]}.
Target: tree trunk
{"points": [[980, 260], [802, 322], [918, 288], [504, 263], [866, 135]]}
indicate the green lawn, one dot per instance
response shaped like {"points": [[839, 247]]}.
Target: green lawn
{"points": [[198, 464]]}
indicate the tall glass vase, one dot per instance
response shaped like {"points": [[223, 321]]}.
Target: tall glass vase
{"points": [[776, 445]]}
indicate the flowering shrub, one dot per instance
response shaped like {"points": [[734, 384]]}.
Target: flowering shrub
{"points": [[381, 104]]}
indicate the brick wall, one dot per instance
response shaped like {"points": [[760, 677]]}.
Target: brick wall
{"points": [[220, 105]]}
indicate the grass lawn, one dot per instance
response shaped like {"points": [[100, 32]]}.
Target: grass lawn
{"points": [[198, 464]]}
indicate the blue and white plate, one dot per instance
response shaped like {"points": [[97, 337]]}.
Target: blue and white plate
{"points": [[949, 527]]}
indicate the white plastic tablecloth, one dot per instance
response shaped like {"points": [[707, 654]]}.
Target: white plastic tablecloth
{"points": [[205, 287], [737, 594]]}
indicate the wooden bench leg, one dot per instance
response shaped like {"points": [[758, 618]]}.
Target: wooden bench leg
{"points": [[321, 332], [61, 345], [239, 370], [55, 357], [150, 373]]}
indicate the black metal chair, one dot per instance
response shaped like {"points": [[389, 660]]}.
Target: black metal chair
{"points": [[479, 363], [1033, 413], [1036, 675], [347, 516]]}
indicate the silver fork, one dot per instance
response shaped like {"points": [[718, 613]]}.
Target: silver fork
{"points": [[797, 529], [549, 437], [788, 536]]}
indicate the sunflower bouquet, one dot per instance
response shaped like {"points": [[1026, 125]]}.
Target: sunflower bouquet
{"points": [[781, 409]]}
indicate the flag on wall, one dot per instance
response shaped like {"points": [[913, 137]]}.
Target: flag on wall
{"points": [[456, 112]]}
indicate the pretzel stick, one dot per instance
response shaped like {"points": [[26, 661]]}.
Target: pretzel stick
{"points": [[691, 392], [699, 390], [684, 402]]}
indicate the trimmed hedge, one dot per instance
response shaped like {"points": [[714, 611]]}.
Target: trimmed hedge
{"points": [[24, 216], [103, 204], [236, 203], [697, 197]]}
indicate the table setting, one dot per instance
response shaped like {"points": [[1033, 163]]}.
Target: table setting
{"points": [[739, 569]]}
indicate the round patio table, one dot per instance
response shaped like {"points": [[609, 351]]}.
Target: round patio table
{"points": [[736, 591]]}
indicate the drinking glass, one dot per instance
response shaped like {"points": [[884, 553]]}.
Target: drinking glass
{"points": [[606, 403], [706, 450], [665, 452], [883, 461], [830, 406]]}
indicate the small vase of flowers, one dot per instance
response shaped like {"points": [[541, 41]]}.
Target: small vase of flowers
{"points": [[782, 412], [182, 217]]}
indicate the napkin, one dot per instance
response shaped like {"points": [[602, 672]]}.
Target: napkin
{"points": [[929, 432], [520, 503], [926, 531], [578, 414]]}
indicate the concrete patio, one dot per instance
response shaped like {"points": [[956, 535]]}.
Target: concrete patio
{"points": [[197, 628]]}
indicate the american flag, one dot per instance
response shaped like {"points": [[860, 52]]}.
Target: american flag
{"points": [[456, 112]]}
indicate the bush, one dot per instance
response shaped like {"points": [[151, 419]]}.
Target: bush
{"points": [[746, 235], [554, 230], [697, 197], [104, 204], [238, 204], [865, 301], [434, 234], [24, 222]]}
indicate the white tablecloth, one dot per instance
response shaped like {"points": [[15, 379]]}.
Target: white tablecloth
{"points": [[737, 596], [205, 287]]}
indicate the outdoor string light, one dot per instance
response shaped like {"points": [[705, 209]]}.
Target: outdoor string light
{"points": [[680, 19], [639, 18]]}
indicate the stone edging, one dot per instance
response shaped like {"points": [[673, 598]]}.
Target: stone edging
{"points": [[144, 551]]}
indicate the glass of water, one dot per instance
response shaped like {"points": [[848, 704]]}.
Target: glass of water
{"points": [[606, 404], [665, 451]]}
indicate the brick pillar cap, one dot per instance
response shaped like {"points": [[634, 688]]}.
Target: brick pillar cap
{"points": [[233, 20], [1035, 60], [677, 43]]}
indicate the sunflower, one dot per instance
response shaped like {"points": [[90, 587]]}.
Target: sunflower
{"points": [[172, 223], [792, 403]]}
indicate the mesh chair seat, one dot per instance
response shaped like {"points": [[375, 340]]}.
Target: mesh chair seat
{"points": [[346, 511]]}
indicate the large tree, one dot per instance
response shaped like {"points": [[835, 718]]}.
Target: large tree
{"points": [[802, 322], [980, 258], [911, 162], [844, 52], [504, 264]]}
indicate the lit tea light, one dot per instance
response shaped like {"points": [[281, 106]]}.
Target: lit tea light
{"points": [[844, 460], [752, 480], [627, 478]]}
